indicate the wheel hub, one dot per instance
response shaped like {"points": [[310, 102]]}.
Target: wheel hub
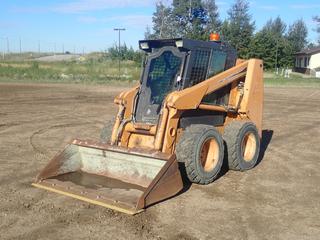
{"points": [[209, 154], [248, 146]]}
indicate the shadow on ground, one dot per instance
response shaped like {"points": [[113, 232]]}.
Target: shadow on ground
{"points": [[266, 139]]}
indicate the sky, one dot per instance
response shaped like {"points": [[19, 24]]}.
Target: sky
{"points": [[87, 25]]}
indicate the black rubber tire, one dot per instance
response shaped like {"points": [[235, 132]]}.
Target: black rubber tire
{"points": [[189, 148], [233, 136], [105, 135]]}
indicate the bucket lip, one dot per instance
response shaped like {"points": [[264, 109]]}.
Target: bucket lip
{"points": [[132, 151], [83, 197]]}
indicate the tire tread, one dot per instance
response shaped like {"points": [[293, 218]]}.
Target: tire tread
{"points": [[232, 138], [185, 152]]}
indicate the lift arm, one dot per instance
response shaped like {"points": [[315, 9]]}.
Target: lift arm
{"points": [[251, 103]]}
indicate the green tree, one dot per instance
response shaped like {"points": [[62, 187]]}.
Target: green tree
{"points": [[263, 46], [297, 35], [193, 19], [274, 45], [317, 20], [238, 28], [190, 18], [276, 27], [125, 53], [113, 52], [275, 50], [148, 35], [285, 53], [311, 45], [162, 22], [213, 21]]}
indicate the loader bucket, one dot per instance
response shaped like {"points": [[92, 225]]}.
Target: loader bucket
{"points": [[125, 180]]}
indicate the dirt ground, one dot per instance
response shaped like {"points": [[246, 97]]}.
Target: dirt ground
{"points": [[278, 199]]}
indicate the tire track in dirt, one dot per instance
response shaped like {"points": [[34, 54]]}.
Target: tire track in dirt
{"points": [[6, 126], [59, 116], [305, 128], [56, 100], [38, 150]]}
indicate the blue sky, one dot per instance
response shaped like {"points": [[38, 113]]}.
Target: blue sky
{"points": [[89, 24]]}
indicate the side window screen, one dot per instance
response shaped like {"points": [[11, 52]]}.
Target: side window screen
{"points": [[218, 63], [200, 66]]}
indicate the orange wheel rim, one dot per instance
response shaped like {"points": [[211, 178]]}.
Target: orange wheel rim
{"points": [[249, 147], [209, 154]]}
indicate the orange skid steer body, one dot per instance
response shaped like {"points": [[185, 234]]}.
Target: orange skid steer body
{"points": [[138, 165]]}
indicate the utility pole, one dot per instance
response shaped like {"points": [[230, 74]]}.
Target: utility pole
{"points": [[62, 48], [190, 10], [8, 49], [3, 54], [276, 66], [39, 46], [119, 52], [4, 46], [20, 45]]}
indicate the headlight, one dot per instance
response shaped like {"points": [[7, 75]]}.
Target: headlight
{"points": [[179, 43], [144, 45]]}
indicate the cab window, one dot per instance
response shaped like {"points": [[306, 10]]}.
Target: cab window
{"points": [[217, 63]]}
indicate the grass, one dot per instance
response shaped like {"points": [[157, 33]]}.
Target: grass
{"points": [[96, 69], [23, 56], [295, 80], [84, 70]]}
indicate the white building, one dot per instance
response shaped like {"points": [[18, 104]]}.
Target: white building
{"points": [[308, 61]]}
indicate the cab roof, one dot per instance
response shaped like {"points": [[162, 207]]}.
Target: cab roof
{"points": [[185, 43]]}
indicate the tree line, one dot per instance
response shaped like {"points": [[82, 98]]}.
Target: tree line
{"points": [[275, 43], [125, 53]]}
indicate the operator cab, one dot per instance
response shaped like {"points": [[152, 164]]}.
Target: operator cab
{"points": [[176, 64]]}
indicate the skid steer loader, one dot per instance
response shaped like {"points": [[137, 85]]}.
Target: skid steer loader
{"points": [[196, 105]]}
